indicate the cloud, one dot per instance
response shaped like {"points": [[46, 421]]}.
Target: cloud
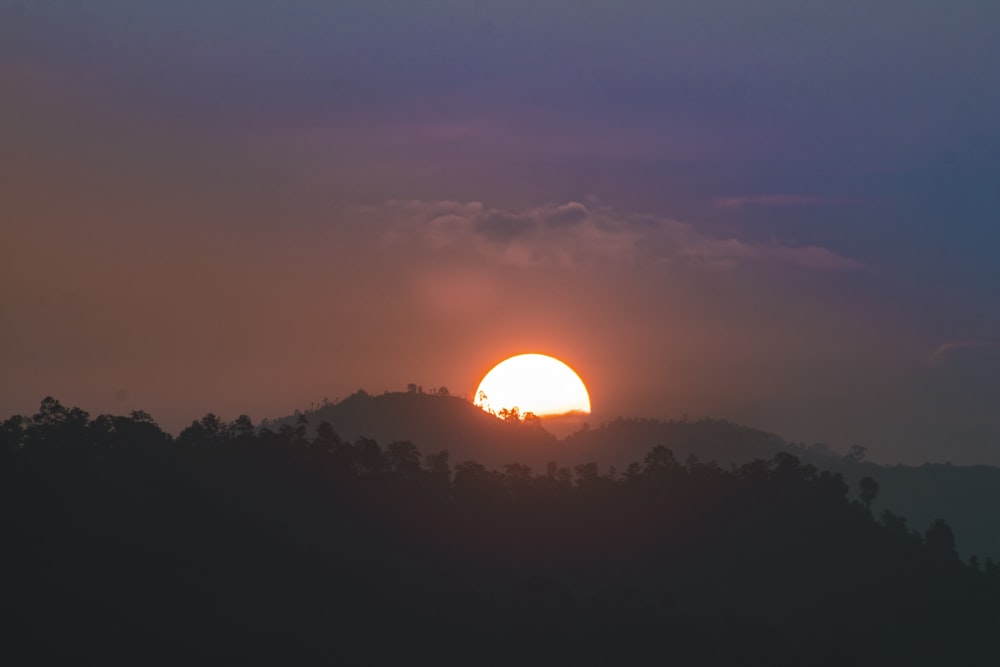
{"points": [[574, 234], [567, 215], [810, 257], [727, 253], [503, 226], [963, 351], [782, 200]]}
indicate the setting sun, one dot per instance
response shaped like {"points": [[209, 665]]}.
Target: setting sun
{"points": [[534, 383]]}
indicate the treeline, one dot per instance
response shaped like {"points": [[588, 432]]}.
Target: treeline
{"points": [[125, 544]]}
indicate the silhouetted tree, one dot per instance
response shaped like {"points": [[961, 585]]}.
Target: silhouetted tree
{"points": [[894, 524], [869, 491], [587, 474], [11, 433], [941, 540], [510, 415], [517, 479], [440, 471], [403, 458], [208, 431], [327, 439], [241, 426], [660, 462], [368, 457]]}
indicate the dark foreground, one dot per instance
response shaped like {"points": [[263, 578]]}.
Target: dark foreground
{"points": [[122, 544]]}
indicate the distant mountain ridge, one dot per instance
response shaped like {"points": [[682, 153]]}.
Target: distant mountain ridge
{"points": [[434, 423], [965, 496]]}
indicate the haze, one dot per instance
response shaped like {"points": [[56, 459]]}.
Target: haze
{"points": [[779, 213]]}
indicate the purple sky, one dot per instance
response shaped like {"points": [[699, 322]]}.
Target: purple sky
{"points": [[783, 213]]}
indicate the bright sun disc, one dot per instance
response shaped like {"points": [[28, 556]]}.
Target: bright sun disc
{"points": [[533, 383]]}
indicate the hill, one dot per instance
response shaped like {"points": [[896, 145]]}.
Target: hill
{"points": [[962, 495], [622, 441], [433, 422], [259, 547]]}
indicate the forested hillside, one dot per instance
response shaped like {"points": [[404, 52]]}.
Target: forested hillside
{"points": [[258, 546], [966, 496]]}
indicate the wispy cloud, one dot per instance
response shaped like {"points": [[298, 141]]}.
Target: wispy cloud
{"points": [[944, 352], [578, 234], [782, 199]]}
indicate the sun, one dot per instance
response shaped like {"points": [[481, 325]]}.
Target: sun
{"points": [[535, 383]]}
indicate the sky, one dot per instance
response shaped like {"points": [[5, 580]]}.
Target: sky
{"points": [[781, 213]]}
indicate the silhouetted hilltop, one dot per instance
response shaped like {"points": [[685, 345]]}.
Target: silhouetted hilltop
{"points": [[447, 422], [433, 423], [622, 440]]}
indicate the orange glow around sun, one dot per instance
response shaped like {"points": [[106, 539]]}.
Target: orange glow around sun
{"points": [[534, 383]]}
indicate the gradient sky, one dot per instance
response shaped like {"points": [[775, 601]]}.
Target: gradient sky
{"points": [[784, 213]]}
